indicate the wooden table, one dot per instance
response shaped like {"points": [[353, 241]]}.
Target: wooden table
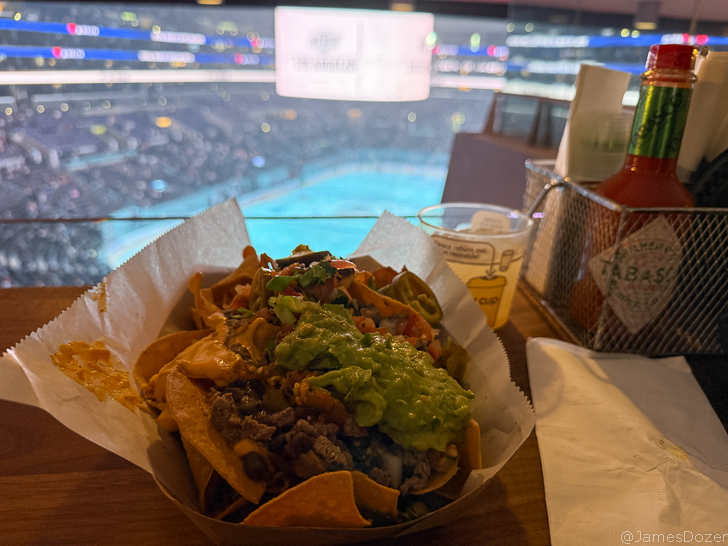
{"points": [[58, 488]]}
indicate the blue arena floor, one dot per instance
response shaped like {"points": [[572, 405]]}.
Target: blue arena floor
{"points": [[327, 203]]}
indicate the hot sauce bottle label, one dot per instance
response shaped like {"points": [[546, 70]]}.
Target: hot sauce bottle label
{"points": [[638, 281], [659, 121]]}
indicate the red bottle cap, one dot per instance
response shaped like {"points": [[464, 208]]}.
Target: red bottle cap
{"points": [[675, 56]]}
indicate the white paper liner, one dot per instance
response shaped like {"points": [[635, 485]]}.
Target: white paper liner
{"points": [[142, 294]]}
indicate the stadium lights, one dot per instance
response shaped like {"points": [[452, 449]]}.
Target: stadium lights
{"points": [[38, 77], [210, 2], [402, 6]]}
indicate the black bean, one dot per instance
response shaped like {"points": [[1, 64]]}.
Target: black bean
{"points": [[257, 387], [255, 467], [277, 443], [300, 443]]}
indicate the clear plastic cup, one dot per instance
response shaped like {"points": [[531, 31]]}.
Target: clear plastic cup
{"points": [[484, 245]]}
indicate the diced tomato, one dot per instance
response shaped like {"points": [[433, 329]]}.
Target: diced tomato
{"points": [[342, 264], [265, 314], [418, 326], [289, 291], [383, 331], [412, 340], [365, 324], [320, 399], [435, 350], [337, 414], [290, 269]]}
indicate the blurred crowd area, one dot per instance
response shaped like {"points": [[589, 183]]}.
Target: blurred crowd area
{"points": [[88, 156], [80, 149], [75, 162]]}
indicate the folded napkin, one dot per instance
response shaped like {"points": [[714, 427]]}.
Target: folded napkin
{"points": [[706, 129], [631, 448], [597, 103]]}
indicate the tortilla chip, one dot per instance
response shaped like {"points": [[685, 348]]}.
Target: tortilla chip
{"points": [[326, 500], [383, 276], [201, 472], [470, 459], [242, 275], [373, 496], [210, 313], [363, 277], [387, 306], [163, 351], [232, 508], [187, 401]]}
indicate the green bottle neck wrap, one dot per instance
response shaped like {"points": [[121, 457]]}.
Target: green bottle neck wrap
{"points": [[659, 121]]}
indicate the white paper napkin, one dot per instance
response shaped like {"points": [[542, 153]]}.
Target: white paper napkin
{"points": [[630, 448], [706, 129], [599, 91]]}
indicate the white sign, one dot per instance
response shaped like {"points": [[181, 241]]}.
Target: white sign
{"points": [[344, 54]]}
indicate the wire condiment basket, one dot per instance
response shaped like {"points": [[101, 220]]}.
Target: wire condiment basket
{"points": [[659, 276]]}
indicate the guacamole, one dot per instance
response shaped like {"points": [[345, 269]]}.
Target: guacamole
{"points": [[389, 383]]}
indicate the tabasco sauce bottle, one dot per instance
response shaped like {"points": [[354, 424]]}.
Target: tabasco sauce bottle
{"points": [[638, 276]]}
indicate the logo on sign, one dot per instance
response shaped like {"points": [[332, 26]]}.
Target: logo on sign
{"points": [[325, 42]]}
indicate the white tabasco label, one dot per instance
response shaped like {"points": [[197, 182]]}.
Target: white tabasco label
{"points": [[643, 273]]}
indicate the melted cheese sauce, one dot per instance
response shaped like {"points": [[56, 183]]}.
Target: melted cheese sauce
{"points": [[209, 358], [90, 366], [98, 294]]}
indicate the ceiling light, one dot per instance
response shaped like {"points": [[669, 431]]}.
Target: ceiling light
{"points": [[647, 15]]}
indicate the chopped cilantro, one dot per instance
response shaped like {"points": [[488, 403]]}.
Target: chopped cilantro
{"points": [[317, 274], [281, 282]]}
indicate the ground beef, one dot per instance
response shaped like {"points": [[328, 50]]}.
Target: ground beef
{"points": [[411, 458], [247, 396], [332, 454], [380, 476], [225, 418], [316, 428], [282, 419], [352, 429], [260, 432], [420, 471]]}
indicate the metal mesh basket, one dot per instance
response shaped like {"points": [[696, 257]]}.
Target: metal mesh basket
{"points": [[621, 279]]}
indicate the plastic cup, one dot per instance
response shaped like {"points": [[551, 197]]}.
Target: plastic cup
{"points": [[484, 245]]}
